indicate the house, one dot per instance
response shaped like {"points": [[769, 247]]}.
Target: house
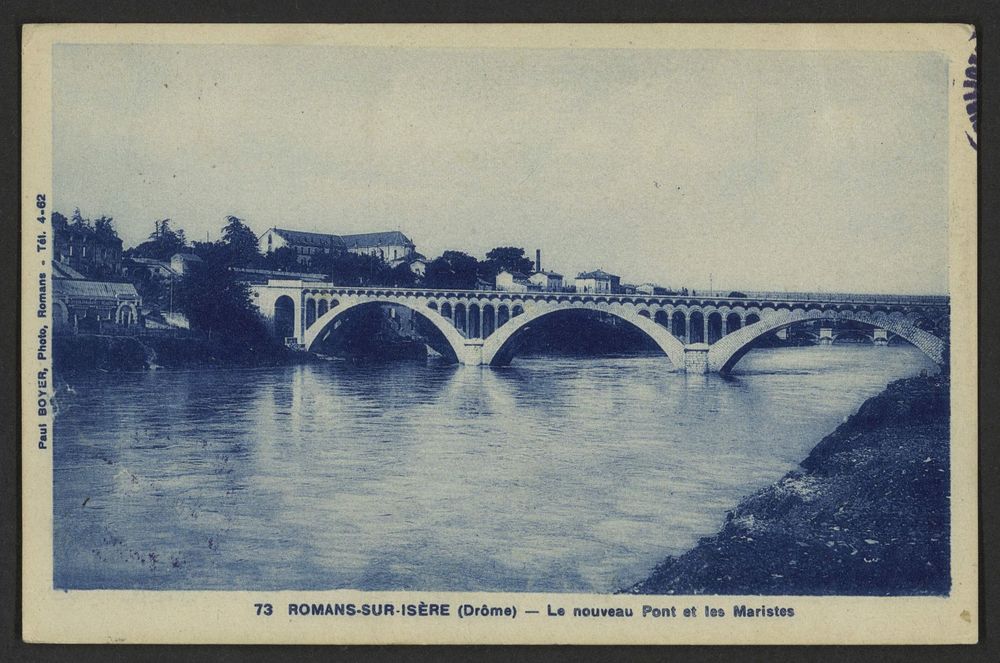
{"points": [[651, 289], [418, 266], [627, 289], [391, 246], [597, 281], [513, 282], [87, 250], [180, 262], [85, 305], [155, 267], [547, 281]]}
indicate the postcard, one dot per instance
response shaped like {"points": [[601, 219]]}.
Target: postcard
{"points": [[570, 334]]}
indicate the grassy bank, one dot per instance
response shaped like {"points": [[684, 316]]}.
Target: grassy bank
{"points": [[87, 352], [868, 513]]}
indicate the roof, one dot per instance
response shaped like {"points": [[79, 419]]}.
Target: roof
{"points": [[356, 241], [153, 263], [94, 289], [518, 276], [554, 275], [61, 271], [598, 274], [386, 238], [187, 256], [304, 238]]}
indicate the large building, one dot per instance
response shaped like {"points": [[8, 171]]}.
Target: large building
{"points": [[82, 305], [598, 281], [391, 246], [92, 253], [513, 282], [548, 281]]}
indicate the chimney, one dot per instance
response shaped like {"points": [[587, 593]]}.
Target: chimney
{"points": [[538, 260]]}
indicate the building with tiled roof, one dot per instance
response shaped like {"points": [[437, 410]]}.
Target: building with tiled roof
{"points": [[598, 281], [513, 282], [93, 306], [392, 246]]}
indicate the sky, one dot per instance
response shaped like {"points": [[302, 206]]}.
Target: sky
{"points": [[746, 170]]}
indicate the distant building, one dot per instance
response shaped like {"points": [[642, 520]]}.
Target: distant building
{"points": [[305, 244], [155, 267], [84, 305], [541, 279], [651, 289], [513, 282], [627, 289], [180, 262], [87, 251], [597, 281], [548, 281], [391, 246], [418, 266]]}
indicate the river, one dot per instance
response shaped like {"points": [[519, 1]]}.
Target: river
{"points": [[551, 475]]}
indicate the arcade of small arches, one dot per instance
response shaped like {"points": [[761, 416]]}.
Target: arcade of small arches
{"points": [[697, 334], [92, 317]]}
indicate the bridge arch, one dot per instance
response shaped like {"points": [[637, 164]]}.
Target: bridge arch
{"points": [[455, 340], [496, 348], [284, 317], [725, 354]]}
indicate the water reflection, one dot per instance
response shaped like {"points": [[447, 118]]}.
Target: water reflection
{"points": [[549, 475]]}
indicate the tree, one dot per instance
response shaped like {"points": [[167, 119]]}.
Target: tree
{"points": [[351, 268], [453, 269], [78, 222], [104, 228], [215, 301], [282, 259], [59, 222], [241, 241], [505, 258], [163, 243], [401, 276]]}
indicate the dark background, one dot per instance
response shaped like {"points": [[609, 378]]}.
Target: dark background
{"points": [[14, 13]]}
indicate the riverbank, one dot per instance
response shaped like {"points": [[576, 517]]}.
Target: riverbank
{"points": [[868, 513], [90, 352]]}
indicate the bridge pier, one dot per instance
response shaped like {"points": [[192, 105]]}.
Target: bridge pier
{"points": [[881, 337], [826, 335], [696, 358], [473, 352]]}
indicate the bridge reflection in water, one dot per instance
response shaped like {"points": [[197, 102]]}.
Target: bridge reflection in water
{"points": [[699, 334]]}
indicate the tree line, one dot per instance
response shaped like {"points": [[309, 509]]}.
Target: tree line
{"points": [[215, 299]]}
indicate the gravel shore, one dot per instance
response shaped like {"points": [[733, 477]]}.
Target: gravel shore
{"points": [[867, 514]]}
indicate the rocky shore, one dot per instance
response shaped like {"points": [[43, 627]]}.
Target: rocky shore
{"points": [[867, 514]]}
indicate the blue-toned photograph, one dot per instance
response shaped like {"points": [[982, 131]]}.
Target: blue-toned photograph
{"points": [[588, 320]]}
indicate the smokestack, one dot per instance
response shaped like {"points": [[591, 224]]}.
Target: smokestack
{"points": [[538, 260]]}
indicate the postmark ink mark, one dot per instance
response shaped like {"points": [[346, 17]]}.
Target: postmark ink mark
{"points": [[971, 97]]}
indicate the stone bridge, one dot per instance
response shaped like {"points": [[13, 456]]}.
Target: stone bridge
{"points": [[697, 333]]}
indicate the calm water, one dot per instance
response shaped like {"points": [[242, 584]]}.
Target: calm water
{"points": [[550, 475]]}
